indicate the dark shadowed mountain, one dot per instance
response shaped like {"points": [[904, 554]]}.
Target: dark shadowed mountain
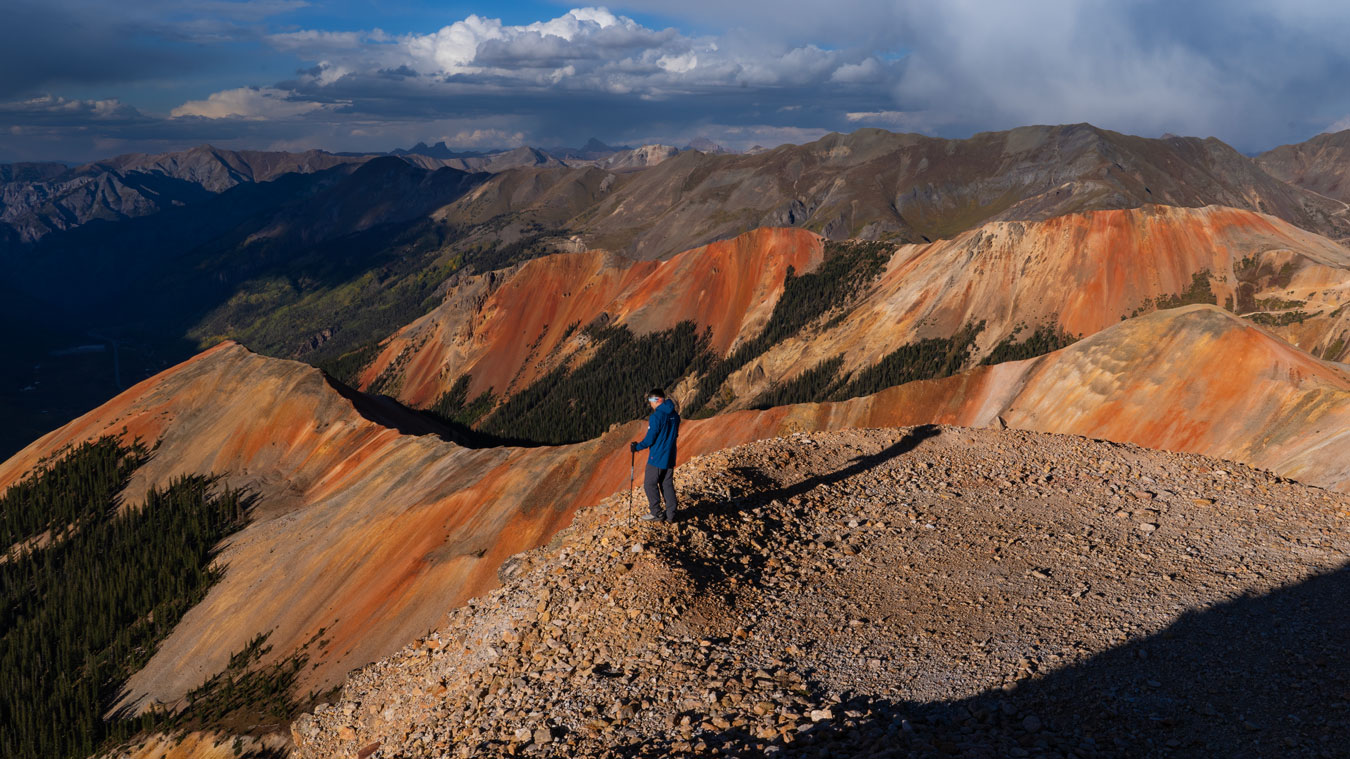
{"points": [[441, 150], [593, 149], [37, 199]]}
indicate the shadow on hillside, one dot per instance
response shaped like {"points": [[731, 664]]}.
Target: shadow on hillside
{"points": [[388, 412], [1259, 676], [764, 488]]}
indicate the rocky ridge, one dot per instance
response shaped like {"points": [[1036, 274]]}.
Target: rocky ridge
{"points": [[896, 592]]}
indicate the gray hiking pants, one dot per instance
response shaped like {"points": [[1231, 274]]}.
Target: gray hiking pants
{"points": [[658, 483]]}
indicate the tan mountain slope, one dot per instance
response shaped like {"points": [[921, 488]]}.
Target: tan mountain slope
{"points": [[897, 593], [875, 184], [1321, 164]]}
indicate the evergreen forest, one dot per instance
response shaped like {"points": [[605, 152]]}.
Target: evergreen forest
{"points": [[91, 586], [848, 268], [569, 406], [930, 358], [1045, 339]]}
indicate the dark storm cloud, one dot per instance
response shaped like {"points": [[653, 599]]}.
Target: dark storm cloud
{"points": [[47, 45], [1254, 74]]}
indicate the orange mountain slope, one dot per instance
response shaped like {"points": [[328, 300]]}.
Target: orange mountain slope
{"points": [[1082, 273], [508, 329], [1078, 273], [361, 531], [1193, 379], [369, 534]]}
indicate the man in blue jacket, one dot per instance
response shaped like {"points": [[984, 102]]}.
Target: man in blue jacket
{"points": [[663, 427]]}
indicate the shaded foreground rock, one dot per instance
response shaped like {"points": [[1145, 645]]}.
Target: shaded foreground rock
{"points": [[897, 592]]}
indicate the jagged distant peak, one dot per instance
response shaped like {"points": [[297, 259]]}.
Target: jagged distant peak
{"points": [[595, 144], [444, 151], [705, 145]]}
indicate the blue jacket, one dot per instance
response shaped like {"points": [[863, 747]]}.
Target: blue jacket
{"points": [[663, 427]]}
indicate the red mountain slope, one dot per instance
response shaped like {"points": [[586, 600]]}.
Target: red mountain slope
{"points": [[507, 329], [361, 530], [1078, 274]]}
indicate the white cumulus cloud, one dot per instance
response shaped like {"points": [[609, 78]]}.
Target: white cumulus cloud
{"points": [[248, 103], [585, 49]]}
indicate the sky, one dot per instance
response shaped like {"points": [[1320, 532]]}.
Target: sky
{"points": [[86, 79]]}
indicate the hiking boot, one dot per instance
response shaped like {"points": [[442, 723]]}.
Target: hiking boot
{"points": [[648, 518]]}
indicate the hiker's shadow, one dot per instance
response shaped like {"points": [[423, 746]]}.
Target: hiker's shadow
{"points": [[756, 488], [750, 488]]}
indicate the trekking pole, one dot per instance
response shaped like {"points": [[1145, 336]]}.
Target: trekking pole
{"points": [[632, 459]]}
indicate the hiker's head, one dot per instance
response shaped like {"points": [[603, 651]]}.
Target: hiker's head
{"points": [[655, 397]]}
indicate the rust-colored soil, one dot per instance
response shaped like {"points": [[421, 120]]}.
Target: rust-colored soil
{"points": [[1078, 274], [369, 534], [507, 330]]}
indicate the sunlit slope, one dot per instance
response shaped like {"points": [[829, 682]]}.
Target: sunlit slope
{"points": [[1078, 274], [1194, 379], [1066, 277], [506, 329]]}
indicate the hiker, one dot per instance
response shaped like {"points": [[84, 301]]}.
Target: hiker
{"points": [[663, 427]]}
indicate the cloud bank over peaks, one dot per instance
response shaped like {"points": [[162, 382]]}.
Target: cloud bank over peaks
{"points": [[583, 50]]}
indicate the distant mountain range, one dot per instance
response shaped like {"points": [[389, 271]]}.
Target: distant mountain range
{"points": [[39, 198]]}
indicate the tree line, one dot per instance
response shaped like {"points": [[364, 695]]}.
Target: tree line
{"points": [[847, 269], [568, 406], [93, 589]]}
